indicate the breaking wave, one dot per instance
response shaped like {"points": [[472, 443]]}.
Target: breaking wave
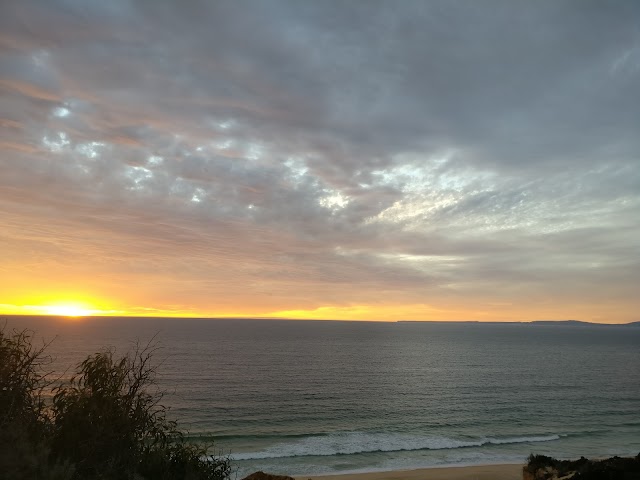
{"points": [[358, 442]]}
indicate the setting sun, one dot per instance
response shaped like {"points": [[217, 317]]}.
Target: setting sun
{"points": [[60, 305], [67, 310]]}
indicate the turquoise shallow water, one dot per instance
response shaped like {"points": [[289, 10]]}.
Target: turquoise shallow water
{"points": [[326, 397]]}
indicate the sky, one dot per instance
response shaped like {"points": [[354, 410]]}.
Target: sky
{"points": [[428, 160]]}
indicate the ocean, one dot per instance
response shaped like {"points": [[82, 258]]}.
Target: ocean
{"points": [[314, 397]]}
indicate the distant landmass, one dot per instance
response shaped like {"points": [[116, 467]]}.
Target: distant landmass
{"points": [[560, 323], [579, 323], [563, 322]]}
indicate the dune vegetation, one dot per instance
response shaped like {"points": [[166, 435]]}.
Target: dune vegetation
{"points": [[107, 422]]}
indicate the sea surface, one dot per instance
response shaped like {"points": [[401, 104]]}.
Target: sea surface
{"points": [[313, 397]]}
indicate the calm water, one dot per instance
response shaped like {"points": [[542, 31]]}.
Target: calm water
{"points": [[323, 397]]}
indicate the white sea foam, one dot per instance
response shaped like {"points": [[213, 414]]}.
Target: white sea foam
{"points": [[359, 442], [542, 438]]}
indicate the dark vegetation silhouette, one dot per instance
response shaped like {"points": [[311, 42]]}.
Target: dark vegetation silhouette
{"points": [[106, 423], [542, 467]]}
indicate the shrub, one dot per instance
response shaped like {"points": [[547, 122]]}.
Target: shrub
{"points": [[106, 423], [542, 467], [21, 381], [24, 425]]}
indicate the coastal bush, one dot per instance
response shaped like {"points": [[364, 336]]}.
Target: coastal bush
{"points": [[542, 467], [21, 381], [106, 423], [24, 423]]}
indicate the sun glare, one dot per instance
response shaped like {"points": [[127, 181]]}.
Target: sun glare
{"points": [[67, 311], [60, 305]]}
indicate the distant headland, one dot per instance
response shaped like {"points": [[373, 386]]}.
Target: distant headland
{"points": [[558, 323]]}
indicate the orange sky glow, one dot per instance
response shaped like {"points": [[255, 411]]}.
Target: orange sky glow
{"points": [[80, 307]]}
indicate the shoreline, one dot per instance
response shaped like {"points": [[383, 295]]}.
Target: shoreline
{"points": [[508, 471]]}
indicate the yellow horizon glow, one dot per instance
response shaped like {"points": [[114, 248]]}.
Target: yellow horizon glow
{"points": [[384, 313], [70, 306], [76, 309], [71, 310]]}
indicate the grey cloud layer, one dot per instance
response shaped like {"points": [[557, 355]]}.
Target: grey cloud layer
{"points": [[420, 148]]}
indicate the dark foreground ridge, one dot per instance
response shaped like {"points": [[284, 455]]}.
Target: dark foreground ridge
{"points": [[267, 476], [541, 467]]}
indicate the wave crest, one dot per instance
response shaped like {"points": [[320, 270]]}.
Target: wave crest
{"points": [[358, 442]]}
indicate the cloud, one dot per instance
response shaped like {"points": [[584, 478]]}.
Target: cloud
{"points": [[293, 155]]}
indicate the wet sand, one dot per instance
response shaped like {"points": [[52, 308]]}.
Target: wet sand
{"points": [[479, 472]]}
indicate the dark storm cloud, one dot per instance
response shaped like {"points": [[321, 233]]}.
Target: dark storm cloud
{"points": [[411, 147]]}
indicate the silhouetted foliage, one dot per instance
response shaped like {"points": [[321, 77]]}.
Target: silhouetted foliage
{"points": [[24, 424], [106, 423], [542, 467], [21, 379]]}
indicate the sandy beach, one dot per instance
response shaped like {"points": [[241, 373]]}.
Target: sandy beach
{"points": [[480, 472]]}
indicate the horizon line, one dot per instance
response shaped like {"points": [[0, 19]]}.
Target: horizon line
{"points": [[266, 318]]}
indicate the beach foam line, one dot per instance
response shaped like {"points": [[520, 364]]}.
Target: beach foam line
{"points": [[350, 443]]}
